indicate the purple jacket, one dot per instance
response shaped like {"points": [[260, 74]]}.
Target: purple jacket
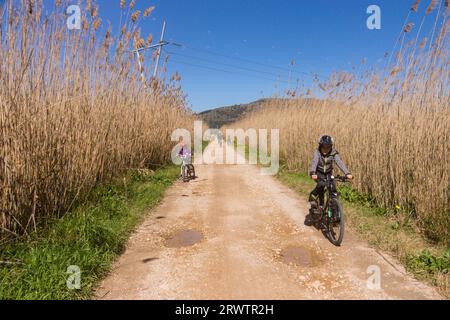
{"points": [[183, 151]]}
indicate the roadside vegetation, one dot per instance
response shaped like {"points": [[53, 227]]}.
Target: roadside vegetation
{"points": [[90, 237], [82, 129], [75, 110]]}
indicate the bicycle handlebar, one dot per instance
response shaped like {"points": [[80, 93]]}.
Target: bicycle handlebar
{"points": [[184, 155], [338, 178], [342, 178]]}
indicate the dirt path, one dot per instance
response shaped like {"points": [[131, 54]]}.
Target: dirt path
{"points": [[251, 228]]}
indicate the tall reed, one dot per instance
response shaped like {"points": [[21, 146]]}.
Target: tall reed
{"points": [[74, 110]]}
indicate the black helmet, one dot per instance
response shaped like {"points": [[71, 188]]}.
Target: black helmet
{"points": [[326, 141]]}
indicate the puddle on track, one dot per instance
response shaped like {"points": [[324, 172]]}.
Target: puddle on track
{"points": [[299, 256], [184, 238]]}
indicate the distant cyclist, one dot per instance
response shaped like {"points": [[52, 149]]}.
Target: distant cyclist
{"points": [[322, 168], [183, 151]]}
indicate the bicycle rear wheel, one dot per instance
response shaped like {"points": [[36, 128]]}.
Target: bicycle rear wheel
{"points": [[336, 223], [191, 171]]}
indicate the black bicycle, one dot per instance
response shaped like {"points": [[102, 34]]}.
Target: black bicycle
{"points": [[330, 216]]}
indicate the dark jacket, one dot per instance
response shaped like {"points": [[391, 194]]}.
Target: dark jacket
{"points": [[324, 163]]}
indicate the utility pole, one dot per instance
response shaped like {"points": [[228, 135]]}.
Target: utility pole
{"points": [[161, 41], [157, 46]]}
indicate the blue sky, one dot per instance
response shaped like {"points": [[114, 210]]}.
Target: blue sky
{"points": [[321, 35]]}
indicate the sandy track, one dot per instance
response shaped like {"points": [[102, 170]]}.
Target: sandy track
{"points": [[248, 221]]}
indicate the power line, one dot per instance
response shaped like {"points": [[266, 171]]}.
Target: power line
{"points": [[251, 61], [158, 48], [226, 71], [223, 64]]}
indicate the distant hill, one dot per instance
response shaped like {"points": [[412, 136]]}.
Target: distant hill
{"points": [[219, 117]]}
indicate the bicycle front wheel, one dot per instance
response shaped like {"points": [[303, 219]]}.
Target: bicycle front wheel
{"points": [[336, 223]]}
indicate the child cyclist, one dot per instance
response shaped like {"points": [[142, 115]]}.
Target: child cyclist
{"points": [[322, 167], [183, 151]]}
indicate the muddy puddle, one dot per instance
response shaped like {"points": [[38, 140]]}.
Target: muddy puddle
{"points": [[184, 238], [299, 256]]}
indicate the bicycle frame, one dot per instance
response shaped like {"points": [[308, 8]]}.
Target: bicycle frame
{"points": [[187, 168], [329, 194], [185, 159]]}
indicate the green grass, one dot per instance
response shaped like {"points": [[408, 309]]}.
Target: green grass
{"points": [[90, 237], [428, 264], [388, 230]]}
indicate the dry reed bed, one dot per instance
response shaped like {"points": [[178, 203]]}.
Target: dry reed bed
{"points": [[73, 111], [392, 128]]}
